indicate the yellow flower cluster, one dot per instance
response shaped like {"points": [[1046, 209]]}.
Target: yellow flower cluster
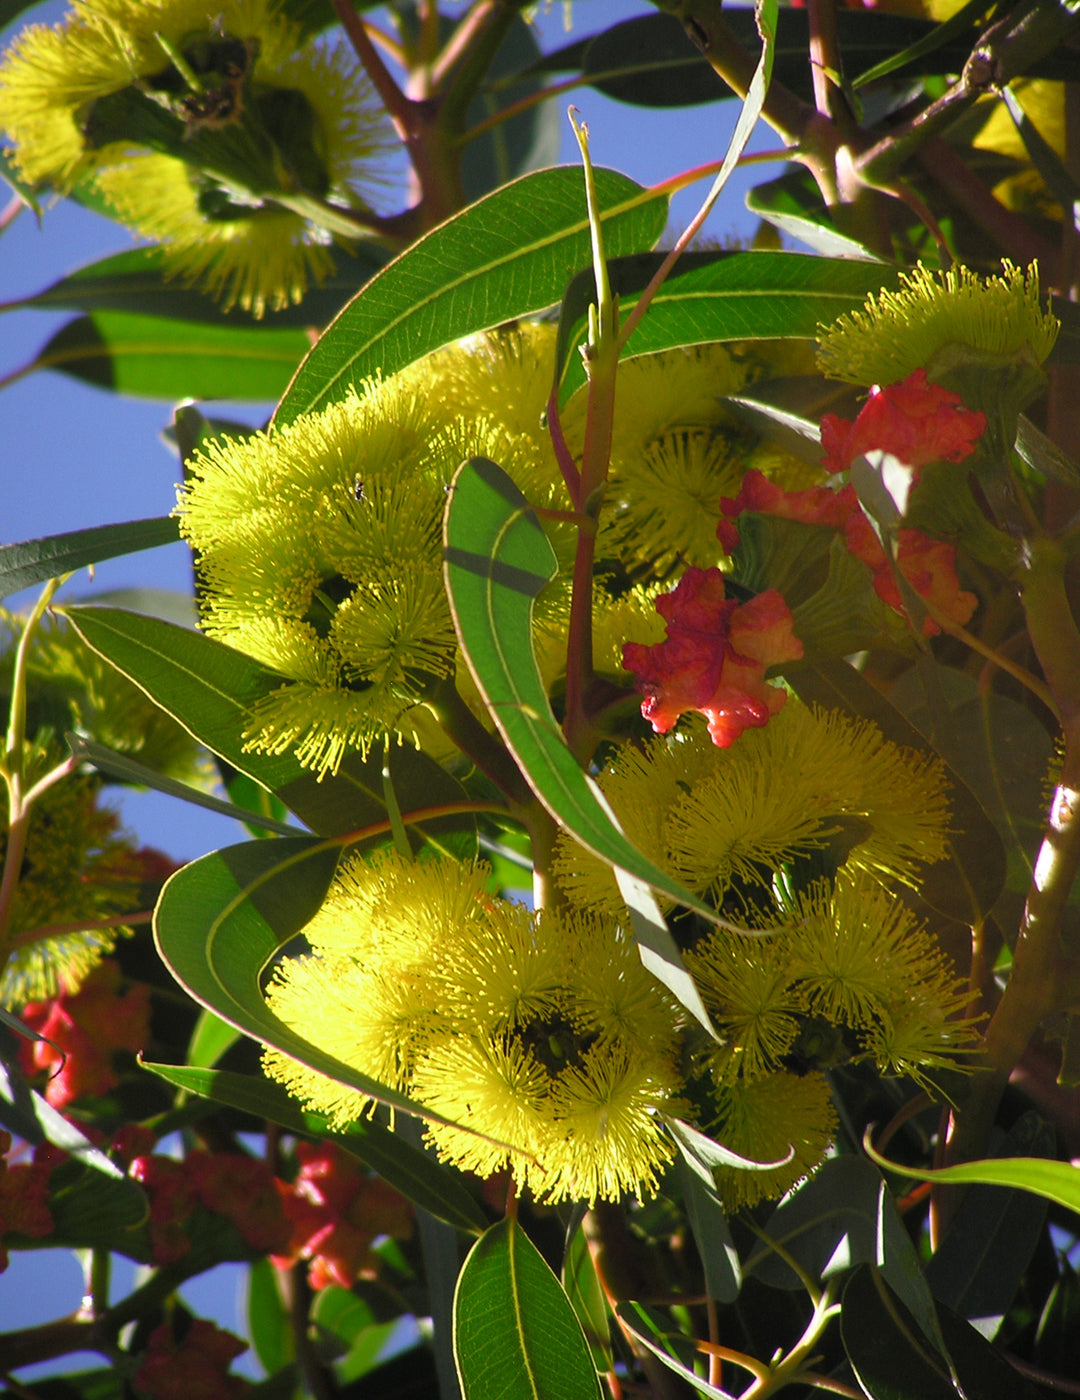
{"points": [[215, 130], [541, 1036]]}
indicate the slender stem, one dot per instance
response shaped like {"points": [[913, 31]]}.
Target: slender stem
{"points": [[563, 456], [36, 935], [526, 104], [399, 108], [825, 58], [994, 658], [12, 209]]}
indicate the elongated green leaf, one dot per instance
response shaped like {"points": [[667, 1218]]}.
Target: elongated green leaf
{"points": [[138, 281], [118, 765], [412, 1171], [672, 1348], [708, 1221], [268, 1318], [981, 1261], [34, 561], [209, 1040], [27, 1114], [151, 357], [508, 255], [222, 918], [516, 1335], [889, 1355], [1056, 1181], [795, 206], [497, 560], [720, 296], [583, 1288], [210, 689]]}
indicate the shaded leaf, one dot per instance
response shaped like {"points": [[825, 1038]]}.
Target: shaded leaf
{"points": [[583, 1288], [708, 1221], [890, 1356], [34, 561], [515, 1332], [126, 770], [155, 358], [508, 255], [138, 281], [210, 689], [841, 1218], [209, 1040], [793, 204], [672, 1348], [979, 1264], [26, 1114]]}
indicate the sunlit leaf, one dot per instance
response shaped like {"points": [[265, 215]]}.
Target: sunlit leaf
{"points": [[515, 1333], [34, 561], [508, 255]]}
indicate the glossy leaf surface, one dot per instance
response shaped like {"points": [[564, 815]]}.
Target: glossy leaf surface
{"points": [[720, 296], [154, 358], [508, 255], [515, 1333]]}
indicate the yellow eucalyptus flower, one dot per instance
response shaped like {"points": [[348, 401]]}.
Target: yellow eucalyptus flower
{"points": [[939, 319], [215, 132], [765, 1119], [541, 1037], [712, 816], [320, 550]]}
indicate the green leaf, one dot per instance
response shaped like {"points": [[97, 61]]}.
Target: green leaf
{"points": [[793, 204], [720, 296], [139, 281], [269, 1326], [708, 1221], [980, 1263], [892, 1362], [967, 884], [221, 919], [118, 765], [1056, 1181], [34, 561], [25, 1113], [889, 1355], [515, 1333], [151, 357], [339, 1317], [677, 1352], [509, 255], [210, 689], [583, 1288], [90, 1209], [209, 1040], [497, 560], [844, 1216], [410, 1170]]}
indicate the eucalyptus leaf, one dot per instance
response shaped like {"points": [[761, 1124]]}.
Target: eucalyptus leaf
{"points": [[35, 561], [508, 255], [516, 1334], [675, 1351], [151, 357]]}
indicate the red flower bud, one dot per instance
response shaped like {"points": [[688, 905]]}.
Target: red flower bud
{"points": [[714, 658], [24, 1196], [914, 421], [193, 1369]]}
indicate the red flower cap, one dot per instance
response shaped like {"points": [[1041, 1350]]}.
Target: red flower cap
{"points": [[929, 565], [818, 505], [336, 1211], [171, 1193], [915, 421], [84, 1029], [194, 1369], [714, 658]]}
